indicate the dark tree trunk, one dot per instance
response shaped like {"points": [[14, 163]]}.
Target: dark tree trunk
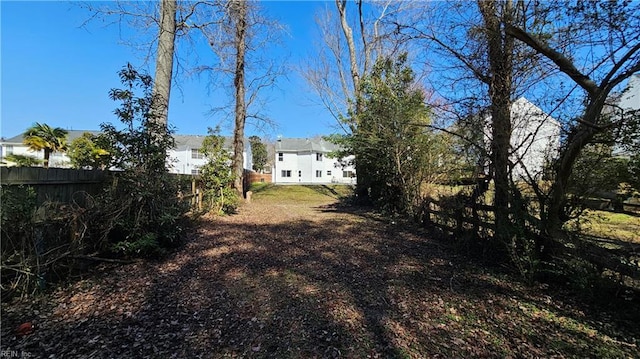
{"points": [[500, 51], [239, 10], [164, 62]]}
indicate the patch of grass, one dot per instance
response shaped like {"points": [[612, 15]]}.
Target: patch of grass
{"points": [[619, 226], [260, 186], [300, 193]]}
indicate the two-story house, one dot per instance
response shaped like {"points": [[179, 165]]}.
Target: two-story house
{"points": [[187, 156], [304, 160]]}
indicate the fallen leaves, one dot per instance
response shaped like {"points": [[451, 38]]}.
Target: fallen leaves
{"points": [[307, 280]]}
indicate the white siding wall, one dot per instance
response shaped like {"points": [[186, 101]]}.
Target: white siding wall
{"points": [[182, 162], [56, 159], [289, 163], [535, 138], [303, 167], [631, 98]]}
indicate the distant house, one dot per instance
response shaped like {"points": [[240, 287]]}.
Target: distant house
{"points": [[630, 99], [303, 160], [535, 138], [185, 158], [629, 102], [15, 145]]}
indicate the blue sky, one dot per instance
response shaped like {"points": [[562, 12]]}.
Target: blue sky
{"points": [[57, 72]]}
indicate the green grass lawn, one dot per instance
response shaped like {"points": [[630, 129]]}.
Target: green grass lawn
{"points": [[618, 226], [300, 193]]}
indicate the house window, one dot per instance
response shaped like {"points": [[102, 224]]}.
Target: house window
{"points": [[195, 171], [280, 156], [9, 149], [299, 173], [318, 174], [286, 173], [318, 156], [347, 174], [328, 173], [196, 154]]}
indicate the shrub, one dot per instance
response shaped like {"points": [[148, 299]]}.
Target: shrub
{"points": [[142, 212], [217, 176]]}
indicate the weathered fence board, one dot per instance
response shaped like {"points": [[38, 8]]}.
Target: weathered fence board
{"points": [[622, 258], [54, 184], [254, 177]]}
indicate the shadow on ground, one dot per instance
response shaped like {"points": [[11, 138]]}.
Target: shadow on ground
{"points": [[341, 283]]}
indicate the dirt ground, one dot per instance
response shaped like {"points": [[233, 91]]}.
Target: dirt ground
{"points": [[303, 277]]}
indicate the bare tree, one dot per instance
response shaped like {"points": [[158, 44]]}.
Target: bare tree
{"points": [[500, 51], [353, 35], [476, 66], [159, 24], [534, 48], [238, 12], [239, 34], [164, 62], [597, 47]]}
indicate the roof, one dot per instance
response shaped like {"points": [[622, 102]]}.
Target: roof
{"points": [[195, 141], [71, 135], [305, 145]]}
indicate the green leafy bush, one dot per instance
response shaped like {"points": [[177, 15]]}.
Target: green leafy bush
{"points": [[217, 176], [143, 214]]}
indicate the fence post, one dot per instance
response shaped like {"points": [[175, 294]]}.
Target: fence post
{"points": [[194, 199]]}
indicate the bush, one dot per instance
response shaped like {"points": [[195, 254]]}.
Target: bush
{"points": [[217, 176], [39, 242], [138, 213], [143, 214]]}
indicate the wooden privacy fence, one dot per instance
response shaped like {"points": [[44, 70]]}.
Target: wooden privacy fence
{"points": [[64, 184], [54, 184], [456, 217], [254, 177]]}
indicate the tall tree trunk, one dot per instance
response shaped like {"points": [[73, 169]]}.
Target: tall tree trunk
{"points": [[164, 62], [555, 217], [500, 48], [363, 178], [239, 10], [348, 35]]}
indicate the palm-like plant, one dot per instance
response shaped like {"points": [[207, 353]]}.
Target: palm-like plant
{"points": [[44, 137]]}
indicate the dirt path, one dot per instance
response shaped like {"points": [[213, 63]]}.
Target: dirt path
{"points": [[285, 279]]}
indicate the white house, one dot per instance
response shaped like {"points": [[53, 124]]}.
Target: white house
{"points": [[185, 158], [535, 138], [630, 99], [14, 145], [303, 160]]}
